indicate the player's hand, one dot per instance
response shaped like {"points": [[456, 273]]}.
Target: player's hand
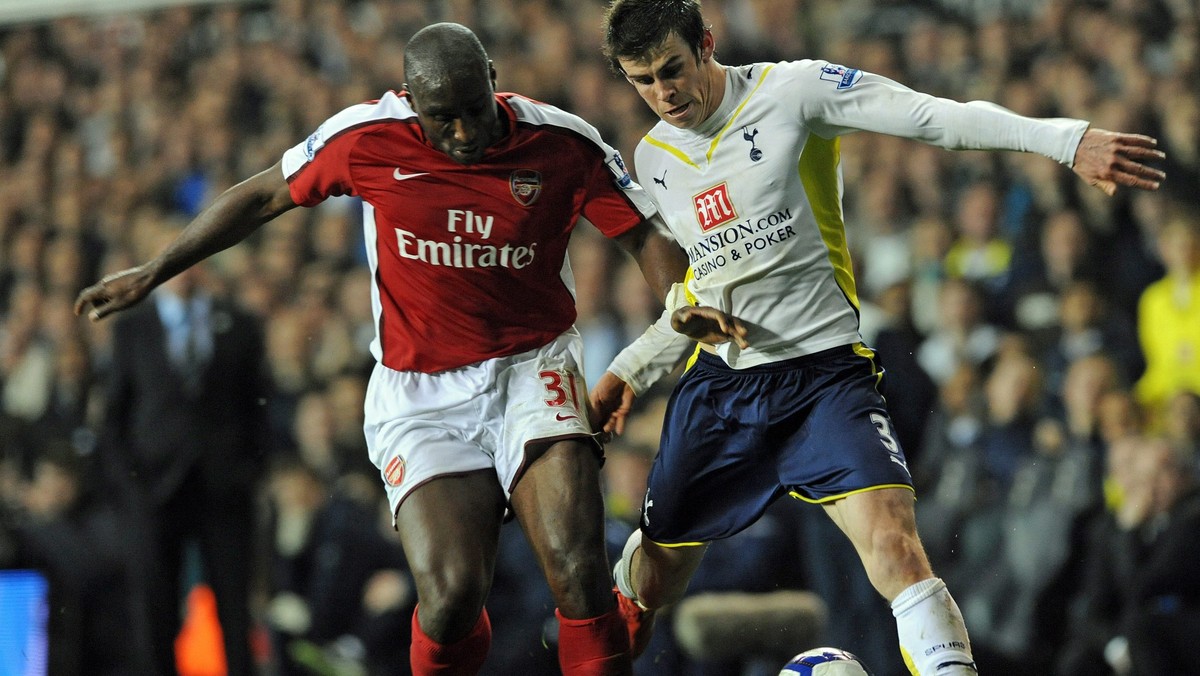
{"points": [[609, 403], [709, 325], [1107, 159], [114, 292]]}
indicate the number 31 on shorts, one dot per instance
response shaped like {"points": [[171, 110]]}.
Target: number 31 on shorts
{"points": [[560, 388]]}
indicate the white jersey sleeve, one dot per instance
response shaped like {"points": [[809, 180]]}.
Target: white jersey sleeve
{"points": [[657, 351], [836, 100]]}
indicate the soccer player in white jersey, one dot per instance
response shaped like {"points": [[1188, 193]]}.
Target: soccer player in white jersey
{"points": [[745, 171], [474, 408]]}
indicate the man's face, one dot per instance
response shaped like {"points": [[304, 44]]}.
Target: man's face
{"points": [[671, 80], [459, 115]]}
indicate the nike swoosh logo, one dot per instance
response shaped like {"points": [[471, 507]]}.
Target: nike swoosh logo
{"points": [[404, 177], [559, 416]]}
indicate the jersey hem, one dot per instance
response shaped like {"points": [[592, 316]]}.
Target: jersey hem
{"points": [[743, 360]]}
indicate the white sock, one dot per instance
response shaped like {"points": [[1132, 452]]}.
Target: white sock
{"points": [[933, 636], [622, 571]]}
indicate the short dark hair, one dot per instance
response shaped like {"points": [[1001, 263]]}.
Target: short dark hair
{"points": [[635, 28], [443, 51]]}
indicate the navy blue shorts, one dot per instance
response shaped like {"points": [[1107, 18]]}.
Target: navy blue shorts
{"points": [[734, 441]]}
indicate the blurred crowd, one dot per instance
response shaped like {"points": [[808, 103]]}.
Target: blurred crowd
{"points": [[1041, 340]]}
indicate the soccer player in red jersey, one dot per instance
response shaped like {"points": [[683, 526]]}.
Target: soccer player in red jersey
{"points": [[476, 408]]}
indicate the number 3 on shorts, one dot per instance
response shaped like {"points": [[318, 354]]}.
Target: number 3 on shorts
{"points": [[889, 440]]}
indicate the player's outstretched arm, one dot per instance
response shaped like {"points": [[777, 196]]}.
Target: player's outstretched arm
{"points": [[1107, 159], [235, 214]]}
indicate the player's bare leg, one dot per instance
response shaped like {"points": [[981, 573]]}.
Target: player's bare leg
{"points": [[882, 526], [660, 575], [649, 576], [450, 529], [559, 505]]}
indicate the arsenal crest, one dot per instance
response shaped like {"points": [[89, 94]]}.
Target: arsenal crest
{"points": [[394, 472], [526, 186]]}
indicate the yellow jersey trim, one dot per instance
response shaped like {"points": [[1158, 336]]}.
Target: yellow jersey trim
{"points": [[867, 353], [839, 496], [712, 148], [679, 154], [692, 300], [687, 291], [818, 173]]}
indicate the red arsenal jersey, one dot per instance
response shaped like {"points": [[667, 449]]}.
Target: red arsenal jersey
{"points": [[468, 262]]}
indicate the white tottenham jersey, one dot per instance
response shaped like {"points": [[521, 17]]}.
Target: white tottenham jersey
{"points": [[754, 195]]}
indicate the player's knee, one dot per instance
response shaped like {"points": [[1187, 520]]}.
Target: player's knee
{"points": [[580, 582], [450, 601], [895, 559], [447, 623]]}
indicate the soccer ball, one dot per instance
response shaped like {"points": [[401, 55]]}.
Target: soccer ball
{"points": [[825, 662]]}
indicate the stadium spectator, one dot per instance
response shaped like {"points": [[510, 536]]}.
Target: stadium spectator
{"points": [[599, 323], [184, 442], [931, 239], [1136, 611], [882, 218], [963, 334], [1182, 426], [1087, 326], [980, 254], [1013, 396], [1089, 380], [1167, 326], [1063, 255], [1118, 416], [1019, 599], [341, 592]]}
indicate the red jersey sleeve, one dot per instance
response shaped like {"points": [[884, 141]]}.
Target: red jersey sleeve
{"points": [[613, 202], [319, 167]]}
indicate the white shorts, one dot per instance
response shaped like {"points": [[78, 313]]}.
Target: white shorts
{"points": [[420, 426]]}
